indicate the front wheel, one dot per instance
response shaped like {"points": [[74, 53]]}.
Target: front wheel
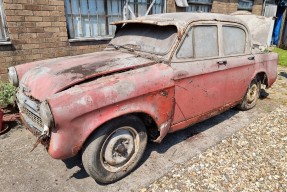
{"points": [[115, 149], [251, 96]]}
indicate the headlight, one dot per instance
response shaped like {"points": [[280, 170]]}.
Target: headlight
{"points": [[13, 77], [46, 115]]}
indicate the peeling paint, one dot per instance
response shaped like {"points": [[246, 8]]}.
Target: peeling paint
{"points": [[86, 91]]}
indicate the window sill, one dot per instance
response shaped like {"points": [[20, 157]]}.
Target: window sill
{"points": [[199, 3], [5, 43], [244, 9], [90, 39]]}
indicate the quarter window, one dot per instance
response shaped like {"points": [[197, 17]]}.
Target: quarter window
{"points": [[3, 32], [234, 40], [92, 18]]}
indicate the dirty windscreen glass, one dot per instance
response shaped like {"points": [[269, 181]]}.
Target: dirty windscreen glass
{"points": [[146, 38]]}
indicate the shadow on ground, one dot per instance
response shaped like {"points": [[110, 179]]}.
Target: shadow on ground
{"points": [[170, 140], [283, 74]]}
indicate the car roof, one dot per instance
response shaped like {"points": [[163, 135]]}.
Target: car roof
{"points": [[182, 19]]}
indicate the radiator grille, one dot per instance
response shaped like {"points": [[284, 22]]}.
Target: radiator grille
{"points": [[33, 117]]}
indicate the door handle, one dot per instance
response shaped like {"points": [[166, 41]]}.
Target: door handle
{"points": [[251, 58], [221, 62]]}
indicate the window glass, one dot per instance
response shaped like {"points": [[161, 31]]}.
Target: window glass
{"points": [[92, 18], [199, 6], [205, 41], [186, 50], [245, 5], [146, 38], [3, 34], [234, 40]]}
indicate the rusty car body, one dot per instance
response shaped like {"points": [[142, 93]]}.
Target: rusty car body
{"points": [[160, 74]]}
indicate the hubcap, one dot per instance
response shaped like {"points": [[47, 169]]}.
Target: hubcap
{"points": [[119, 148], [252, 94]]}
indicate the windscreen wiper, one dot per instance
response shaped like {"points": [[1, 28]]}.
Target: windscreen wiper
{"points": [[129, 47]]}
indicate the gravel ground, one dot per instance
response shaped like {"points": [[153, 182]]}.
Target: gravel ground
{"points": [[253, 159]]}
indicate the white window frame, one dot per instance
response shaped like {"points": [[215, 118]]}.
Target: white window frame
{"points": [[3, 27], [128, 9]]}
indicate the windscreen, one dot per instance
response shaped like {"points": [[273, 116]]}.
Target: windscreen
{"points": [[146, 38]]}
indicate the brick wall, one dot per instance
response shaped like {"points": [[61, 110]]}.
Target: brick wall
{"points": [[230, 6], [224, 6], [170, 5], [257, 7], [37, 29]]}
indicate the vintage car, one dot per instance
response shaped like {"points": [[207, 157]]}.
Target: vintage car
{"points": [[159, 74]]}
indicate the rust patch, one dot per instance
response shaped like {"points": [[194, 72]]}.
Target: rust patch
{"points": [[164, 93], [164, 128]]}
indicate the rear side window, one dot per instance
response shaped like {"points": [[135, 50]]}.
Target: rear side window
{"points": [[234, 40], [200, 42]]}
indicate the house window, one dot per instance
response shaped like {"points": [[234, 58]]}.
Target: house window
{"points": [[199, 6], [3, 32], [92, 18], [245, 5], [140, 7]]}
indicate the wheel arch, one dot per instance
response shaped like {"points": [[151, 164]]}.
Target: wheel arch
{"points": [[262, 78], [147, 119], [125, 134]]}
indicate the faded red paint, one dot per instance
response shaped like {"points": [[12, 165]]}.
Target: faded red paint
{"points": [[86, 91], [72, 70], [82, 109]]}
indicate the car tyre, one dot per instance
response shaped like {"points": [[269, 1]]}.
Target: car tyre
{"points": [[115, 149], [251, 96]]}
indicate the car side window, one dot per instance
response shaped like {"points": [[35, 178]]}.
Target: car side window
{"points": [[186, 49], [200, 42], [205, 41], [234, 40]]}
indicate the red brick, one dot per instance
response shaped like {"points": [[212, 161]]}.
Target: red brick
{"points": [[15, 18], [13, 6], [33, 18], [43, 24], [32, 7], [42, 13], [23, 12]]}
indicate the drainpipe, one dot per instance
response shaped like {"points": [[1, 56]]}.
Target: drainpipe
{"points": [[263, 7], [282, 28]]}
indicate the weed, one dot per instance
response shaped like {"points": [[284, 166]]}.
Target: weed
{"points": [[7, 94], [282, 56]]}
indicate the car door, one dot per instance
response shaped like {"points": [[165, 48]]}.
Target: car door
{"points": [[239, 61], [199, 74]]}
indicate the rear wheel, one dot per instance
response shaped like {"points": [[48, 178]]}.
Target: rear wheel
{"points": [[251, 96], [115, 149]]}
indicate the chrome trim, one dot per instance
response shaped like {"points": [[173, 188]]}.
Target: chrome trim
{"points": [[30, 110]]}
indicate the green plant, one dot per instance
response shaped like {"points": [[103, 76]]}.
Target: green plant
{"points": [[7, 94], [282, 56]]}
